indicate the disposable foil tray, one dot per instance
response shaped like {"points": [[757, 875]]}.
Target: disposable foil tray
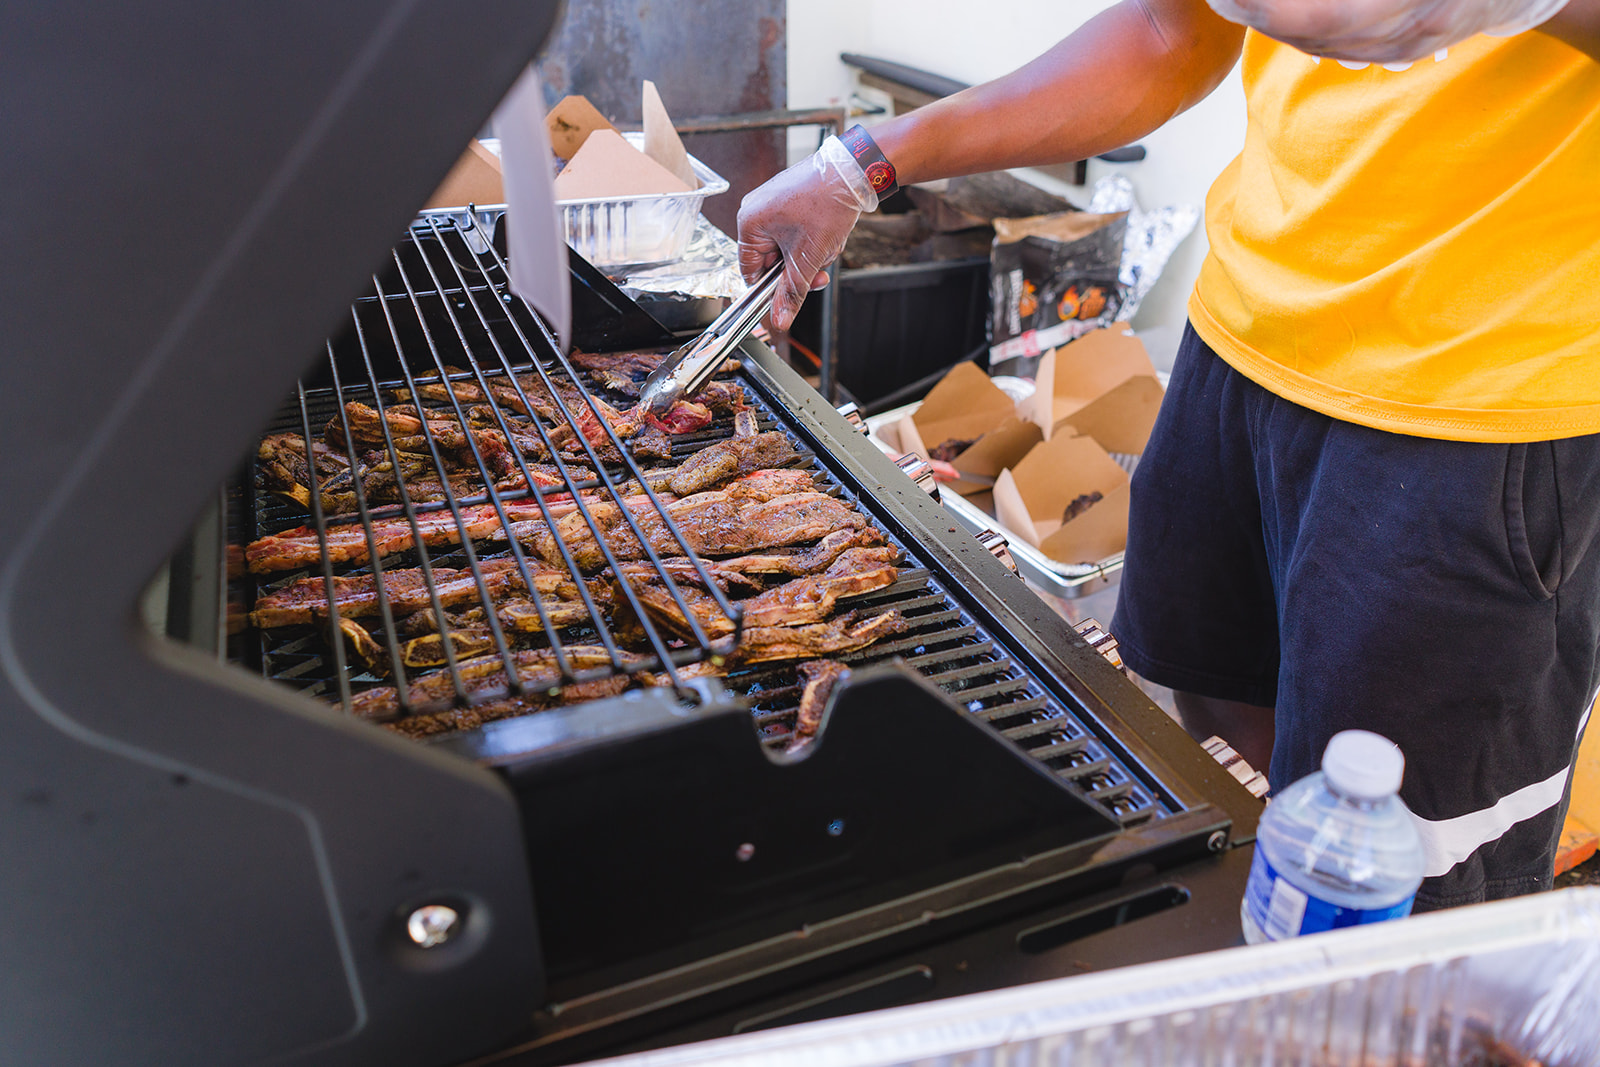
{"points": [[1514, 982], [633, 230]]}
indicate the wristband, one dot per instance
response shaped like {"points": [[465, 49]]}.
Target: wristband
{"points": [[879, 171]]}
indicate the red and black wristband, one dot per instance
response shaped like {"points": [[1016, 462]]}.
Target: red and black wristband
{"points": [[879, 171]]}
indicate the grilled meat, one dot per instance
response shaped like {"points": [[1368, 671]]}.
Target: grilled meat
{"points": [[724, 523], [1079, 504], [798, 562], [406, 589], [812, 599], [818, 678], [847, 633], [281, 468], [949, 450], [795, 603], [429, 649], [729, 459], [347, 543], [538, 698], [536, 668]]}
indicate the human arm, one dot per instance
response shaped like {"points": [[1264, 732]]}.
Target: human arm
{"points": [[1121, 75]]}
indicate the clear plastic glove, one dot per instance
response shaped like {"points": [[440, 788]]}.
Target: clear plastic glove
{"points": [[804, 215], [1384, 31]]}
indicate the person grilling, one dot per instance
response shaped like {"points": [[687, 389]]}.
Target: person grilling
{"points": [[1372, 497]]}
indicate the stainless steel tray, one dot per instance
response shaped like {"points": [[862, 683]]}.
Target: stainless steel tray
{"points": [[1511, 982]]}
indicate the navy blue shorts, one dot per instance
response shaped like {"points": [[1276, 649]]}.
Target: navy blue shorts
{"points": [[1444, 594]]}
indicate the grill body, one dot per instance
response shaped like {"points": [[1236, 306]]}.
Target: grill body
{"points": [[207, 867]]}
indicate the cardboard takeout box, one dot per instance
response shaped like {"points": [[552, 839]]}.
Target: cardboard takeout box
{"points": [[963, 406], [1030, 498], [1102, 385]]}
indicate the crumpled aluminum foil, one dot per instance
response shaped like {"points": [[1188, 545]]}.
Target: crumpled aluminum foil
{"points": [[1151, 239], [709, 268]]}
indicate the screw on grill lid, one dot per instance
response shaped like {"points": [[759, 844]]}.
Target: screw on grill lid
{"points": [[1363, 764]]}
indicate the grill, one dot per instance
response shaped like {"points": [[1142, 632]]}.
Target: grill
{"points": [[440, 307], [209, 861], [1058, 780]]}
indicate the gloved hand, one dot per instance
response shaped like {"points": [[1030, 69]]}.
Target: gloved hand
{"points": [[804, 215], [1384, 31]]}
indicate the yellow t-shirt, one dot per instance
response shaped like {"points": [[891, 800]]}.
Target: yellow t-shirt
{"points": [[1416, 247]]}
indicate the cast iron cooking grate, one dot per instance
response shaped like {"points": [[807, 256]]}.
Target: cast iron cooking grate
{"points": [[443, 305]]}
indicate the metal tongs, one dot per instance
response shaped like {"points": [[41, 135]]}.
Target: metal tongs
{"points": [[683, 374]]}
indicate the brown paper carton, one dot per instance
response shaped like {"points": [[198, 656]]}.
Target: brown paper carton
{"points": [[661, 141], [608, 166], [967, 405], [571, 122], [1029, 499], [1085, 387], [475, 179]]}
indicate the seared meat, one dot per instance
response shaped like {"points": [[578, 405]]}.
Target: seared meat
{"points": [[347, 543], [795, 603], [536, 668], [847, 633], [797, 562], [818, 678], [729, 459], [538, 698], [1081, 503], [949, 450], [722, 523], [281, 468], [812, 599], [357, 595]]}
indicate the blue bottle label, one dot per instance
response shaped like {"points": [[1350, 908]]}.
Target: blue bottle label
{"points": [[1283, 910]]}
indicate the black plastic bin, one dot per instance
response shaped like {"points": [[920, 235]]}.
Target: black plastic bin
{"points": [[902, 323]]}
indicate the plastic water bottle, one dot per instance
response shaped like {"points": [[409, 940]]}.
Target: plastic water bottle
{"points": [[1337, 848]]}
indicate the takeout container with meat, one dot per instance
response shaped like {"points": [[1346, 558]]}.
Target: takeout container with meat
{"points": [[1052, 469]]}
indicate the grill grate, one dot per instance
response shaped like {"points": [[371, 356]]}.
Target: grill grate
{"points": [[430, 312]]}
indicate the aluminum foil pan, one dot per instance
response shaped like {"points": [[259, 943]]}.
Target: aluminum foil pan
{"points": [[632, 230], [1511, 983]]}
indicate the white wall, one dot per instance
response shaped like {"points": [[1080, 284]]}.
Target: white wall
{"points": [[975, 42]]}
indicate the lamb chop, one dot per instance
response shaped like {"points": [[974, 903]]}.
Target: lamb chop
{"points": [[812, 599], [729, 459], [847, 633], [798, 562], [281, 468], [537, 699], [347, 543], [305, 599], [795, 603], [724, 523], [535, 667]]}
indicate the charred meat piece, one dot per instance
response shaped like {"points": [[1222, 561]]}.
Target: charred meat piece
{"points": [[347, 543], [713, 524], [1081, 503], [281, 468], [357, 595], [536, 668], [818, 679], [798, 562], [795, 603], [537, 699], [729, 459], [429, 649], [362, 647], [847, 633], [945, 451], [812, 599]]}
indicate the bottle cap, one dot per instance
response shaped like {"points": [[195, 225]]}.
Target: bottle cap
{"points": [[1363, 764]]}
